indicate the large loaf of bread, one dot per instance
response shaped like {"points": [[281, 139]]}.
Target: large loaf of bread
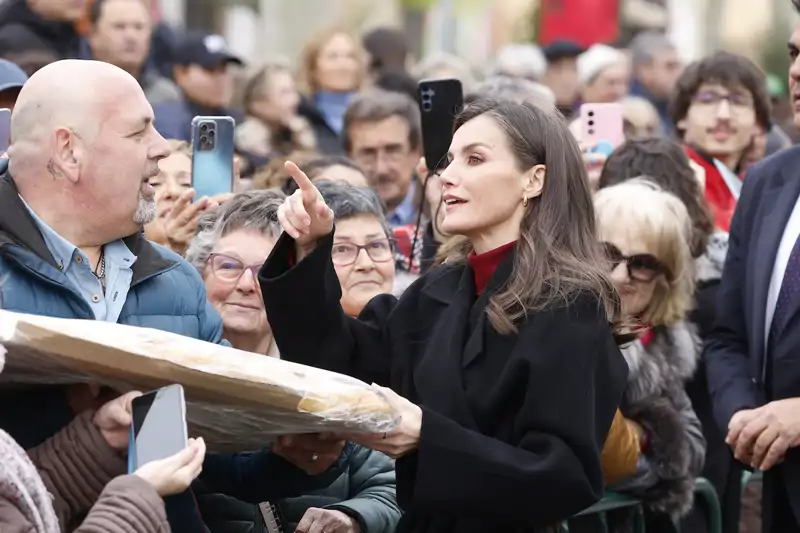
{"points": [[237, 400]]}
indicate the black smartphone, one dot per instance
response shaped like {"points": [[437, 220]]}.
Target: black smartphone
{"points": [[440, 100], [159, 426]]}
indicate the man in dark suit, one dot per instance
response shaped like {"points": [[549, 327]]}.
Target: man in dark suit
{"points": [[753, 354]]}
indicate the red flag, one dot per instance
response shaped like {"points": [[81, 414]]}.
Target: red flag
{"points": [[585, 22]]}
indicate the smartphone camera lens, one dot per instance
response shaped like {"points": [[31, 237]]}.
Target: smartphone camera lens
{"points": [[591, 113], [203, 140], [211, 134], [591, 132], [204, 127], [591, 122]]}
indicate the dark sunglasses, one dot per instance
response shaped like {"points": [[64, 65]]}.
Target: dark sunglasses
{"points": [[641, 267]]}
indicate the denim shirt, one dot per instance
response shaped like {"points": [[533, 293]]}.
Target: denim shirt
{"points": [[404, 213], [106, 304]]}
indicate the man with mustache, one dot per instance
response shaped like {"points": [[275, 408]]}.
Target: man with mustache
{"points": [[383, 135], [719, 106]]}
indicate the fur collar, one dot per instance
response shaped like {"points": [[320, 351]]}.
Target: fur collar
{"points": [[656, 399], [668, 361]]}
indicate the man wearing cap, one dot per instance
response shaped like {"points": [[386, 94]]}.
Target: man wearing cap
{"points": [[12, 78], [561, 74], [202, 72]]}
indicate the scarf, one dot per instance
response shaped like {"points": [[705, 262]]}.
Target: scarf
{"points": [[21, 484]]}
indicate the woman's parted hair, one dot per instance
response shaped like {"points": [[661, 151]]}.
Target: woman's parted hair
{"points": [[255, 210], [347, 201], [660, 221], [558, 257]]}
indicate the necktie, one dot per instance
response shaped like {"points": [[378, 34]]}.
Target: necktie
{"points": [[790, 290]]}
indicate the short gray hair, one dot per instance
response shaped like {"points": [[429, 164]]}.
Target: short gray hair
{"points": [[518, 90], [349, 201], [256, 210], [522, 60], [646, 45], [431, 66]]}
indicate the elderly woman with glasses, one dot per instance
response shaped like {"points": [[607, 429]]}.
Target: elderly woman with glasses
{"points": [[230, 246], [363, 251]]}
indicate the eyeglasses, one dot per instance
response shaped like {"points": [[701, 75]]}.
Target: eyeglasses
{"points": [[369, 157], [641, 267], [737, 101], [346, 253], [230, 269]]}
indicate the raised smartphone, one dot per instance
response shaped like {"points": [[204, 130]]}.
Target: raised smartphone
{"points": [[159, 427], [212, 156], [5, 129], [602, 127], [440, 100]]}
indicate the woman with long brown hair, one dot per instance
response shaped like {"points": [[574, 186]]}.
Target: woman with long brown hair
{"points": [[502, 362]]}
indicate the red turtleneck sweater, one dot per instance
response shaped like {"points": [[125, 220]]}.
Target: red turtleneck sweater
{"points": [[483, 265]]}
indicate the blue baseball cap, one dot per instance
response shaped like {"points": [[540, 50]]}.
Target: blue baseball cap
{"points": [[11, 76]]}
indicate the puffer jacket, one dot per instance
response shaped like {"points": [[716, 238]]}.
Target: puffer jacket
{"points": [[166, 293], [656, 399], [365, 491]]}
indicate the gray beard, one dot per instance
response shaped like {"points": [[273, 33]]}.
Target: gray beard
{"points": [[145, 211]]}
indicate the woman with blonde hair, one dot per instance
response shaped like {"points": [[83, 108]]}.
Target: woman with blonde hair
{"points": [[646, 233], [332, 70]]}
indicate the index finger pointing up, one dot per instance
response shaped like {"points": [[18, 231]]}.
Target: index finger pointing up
{"points": [[299, 177]]}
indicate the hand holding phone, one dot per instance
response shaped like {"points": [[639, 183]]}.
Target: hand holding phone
{"points": [[174, 474], [159, 427], [602, 127]]}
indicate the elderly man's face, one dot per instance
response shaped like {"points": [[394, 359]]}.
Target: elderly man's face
{"points": [[122, 158]]}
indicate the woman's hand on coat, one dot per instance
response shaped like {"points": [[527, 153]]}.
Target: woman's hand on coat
{"points": [[304, 215], [174, 474], [326, 521], [114, 421], [314, 453], [404, 439]]}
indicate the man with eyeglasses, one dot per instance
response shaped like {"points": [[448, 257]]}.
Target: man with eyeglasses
{"points": [[383, 135], [720, 106]]}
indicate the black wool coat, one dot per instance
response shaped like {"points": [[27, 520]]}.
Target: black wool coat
{"points": [[512, 426]]}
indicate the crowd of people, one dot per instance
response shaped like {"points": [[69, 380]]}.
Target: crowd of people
{"points": [[551, 321]]}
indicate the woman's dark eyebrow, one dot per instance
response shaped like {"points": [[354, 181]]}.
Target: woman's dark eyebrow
{"points": [[471, 146]]}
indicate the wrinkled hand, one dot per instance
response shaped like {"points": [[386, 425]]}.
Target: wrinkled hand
{"points": [[314, 453], [304, 215], [405, 438], [174, 474], [180, 224], [114, 421], [326, 521], [762, 436]]}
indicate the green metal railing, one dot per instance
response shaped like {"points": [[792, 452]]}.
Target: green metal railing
{"points": [[595, 519]]}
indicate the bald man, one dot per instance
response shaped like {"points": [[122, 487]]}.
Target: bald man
{"points": [[74, 195]]}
